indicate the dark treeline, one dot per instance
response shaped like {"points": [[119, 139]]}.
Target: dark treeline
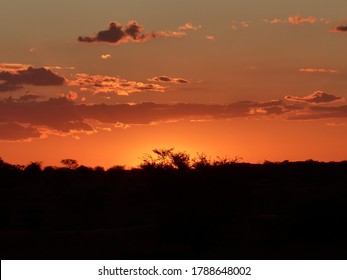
{"points": [[172, 207]]}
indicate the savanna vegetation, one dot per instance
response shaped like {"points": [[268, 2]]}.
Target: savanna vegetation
{"points": [[174, 206]]}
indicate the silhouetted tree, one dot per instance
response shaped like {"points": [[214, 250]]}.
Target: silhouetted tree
{"points": [[201, 161], [225, 161], [6, 166], [19, 166], [180, 160], [116, 167], [70, 163], [99, 168], [166, 159], [83, 168], [231, 210], [34, 166], [49, 169]]}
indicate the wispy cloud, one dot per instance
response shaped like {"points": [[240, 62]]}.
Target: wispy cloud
{"points": [[272, 108], [274, 20], [251, 68], [168, 34], [13, 68], [298, 20], [132, 32], [166, 79], [235, 25], [318, 70], [210, 37], [189, 26], [321, 112], [325, 20], [318, 97], [110, 84], [105, 56], [32, 50], [60, 67], [292, 20], [71, 95], [335, 124], [245, 23]]}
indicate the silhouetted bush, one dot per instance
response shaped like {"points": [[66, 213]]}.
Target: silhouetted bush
{"points": [[175, 207], [116, 168], [70, 163], [166, 159], [34, 167]]}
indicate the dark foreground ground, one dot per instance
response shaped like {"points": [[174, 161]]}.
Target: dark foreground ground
{"points": [[237, 211]]}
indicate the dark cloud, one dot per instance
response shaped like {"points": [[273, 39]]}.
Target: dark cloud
{"points": [[29, 97], [165, 79], [12, 80], [273, 108], [315, 112], [162, 79], [132, 32], [318, 97], [64, 117], [55, 116], [12, 131], [181, 81], [340, 28], [8, 87], [115, 33], [268, 110]]}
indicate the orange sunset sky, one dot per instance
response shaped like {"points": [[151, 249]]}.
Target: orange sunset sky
{"points": [[105, 82]]}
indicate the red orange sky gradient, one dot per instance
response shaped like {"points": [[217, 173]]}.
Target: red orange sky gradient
{"points": [[105, 82]]}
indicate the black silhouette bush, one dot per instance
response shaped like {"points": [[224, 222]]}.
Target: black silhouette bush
{"points": [[34, 167], [70, 163], [170, 159], [166, 159], [174, 207]]}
